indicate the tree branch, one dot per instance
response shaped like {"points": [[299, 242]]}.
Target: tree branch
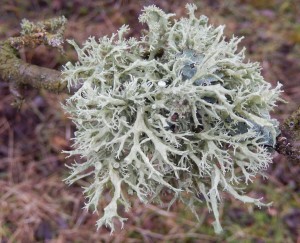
{"points": [[17, 72], [14, 70], [290, 134]]}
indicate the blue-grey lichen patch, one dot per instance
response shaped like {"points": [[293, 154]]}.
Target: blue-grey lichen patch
{"points": [[210, 100], [176, 109], [188, 70], [191, 59], [207, 79], [265, 133]]}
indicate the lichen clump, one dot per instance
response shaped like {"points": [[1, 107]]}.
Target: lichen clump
{"points": [[176, 112]]}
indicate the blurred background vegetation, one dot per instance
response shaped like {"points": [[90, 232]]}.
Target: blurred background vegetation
{"points": [[36, 206]]}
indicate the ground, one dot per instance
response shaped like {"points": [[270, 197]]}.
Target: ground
{"points": [[37, 206]]}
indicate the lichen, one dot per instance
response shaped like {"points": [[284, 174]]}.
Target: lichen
{"points": [[176, 111]]}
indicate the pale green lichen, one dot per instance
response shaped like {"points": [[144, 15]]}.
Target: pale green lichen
{"points": [[176, 111], [50, 31]]}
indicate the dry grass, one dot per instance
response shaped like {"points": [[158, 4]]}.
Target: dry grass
{"points": [[36, 206]]}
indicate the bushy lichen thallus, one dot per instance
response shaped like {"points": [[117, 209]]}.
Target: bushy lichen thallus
{"points": [[176, 112]]}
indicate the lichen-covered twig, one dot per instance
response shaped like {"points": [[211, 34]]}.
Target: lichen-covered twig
{"points": [[16, 71], [285, 147], [290, 133], [49, 32]]}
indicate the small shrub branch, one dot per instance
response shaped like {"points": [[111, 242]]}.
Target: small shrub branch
{"points": [[18, 72]]}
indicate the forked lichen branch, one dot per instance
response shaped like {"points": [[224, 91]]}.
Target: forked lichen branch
{"points": [[177, 111]]}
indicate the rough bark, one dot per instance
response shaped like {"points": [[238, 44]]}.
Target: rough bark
{"points": [[286, 143], [17, 72], [14, 70]]}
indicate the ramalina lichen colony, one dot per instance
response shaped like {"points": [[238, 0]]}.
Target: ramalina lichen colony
{"points": [[175, 112]]}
